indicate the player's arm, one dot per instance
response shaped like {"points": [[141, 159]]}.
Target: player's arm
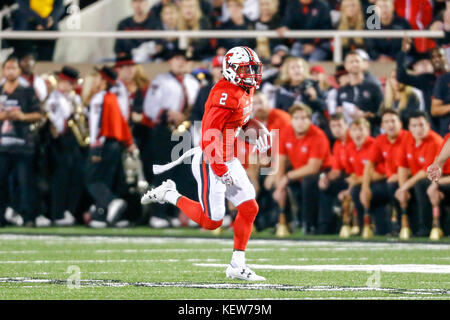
{"points": [[212, 138]]}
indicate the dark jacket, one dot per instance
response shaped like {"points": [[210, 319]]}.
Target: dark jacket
{"points": [[424, 82], [128, 24], [388, 46], [230, 43], [315, 16]]}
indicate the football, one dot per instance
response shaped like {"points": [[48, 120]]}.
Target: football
{"points": [[252, 130]]}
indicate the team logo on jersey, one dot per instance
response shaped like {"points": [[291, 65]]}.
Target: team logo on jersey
{"points": [[351, 159], [385, 154], [409, 156], [366, 94], [421, 159], [304, 149], [288, 145]]}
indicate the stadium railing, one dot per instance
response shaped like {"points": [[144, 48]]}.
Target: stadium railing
{"points": [[183, 36]]}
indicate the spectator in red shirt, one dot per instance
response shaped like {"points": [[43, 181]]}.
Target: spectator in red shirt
{"points": [[358, 154], [385, 152], [306, 148], [333, 181], [419, 14], [439, 192], [418, 151]]}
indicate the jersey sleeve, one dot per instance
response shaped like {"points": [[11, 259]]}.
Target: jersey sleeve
{"points": [[212, 137]]}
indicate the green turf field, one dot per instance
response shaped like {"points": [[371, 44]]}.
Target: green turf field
{"points": [[140, 263]]}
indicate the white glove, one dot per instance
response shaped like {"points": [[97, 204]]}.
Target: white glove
{"points": [[263, 143], [227, 179]]}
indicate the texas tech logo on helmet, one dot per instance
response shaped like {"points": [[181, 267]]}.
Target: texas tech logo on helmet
{"points": [[242, 67]]}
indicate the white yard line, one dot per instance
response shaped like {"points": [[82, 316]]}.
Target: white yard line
{"points": [[281, 244], [242, 286], [402, 268]]}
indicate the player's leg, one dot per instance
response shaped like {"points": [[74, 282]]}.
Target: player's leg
{"points": [[242, 195], [208, 213]]}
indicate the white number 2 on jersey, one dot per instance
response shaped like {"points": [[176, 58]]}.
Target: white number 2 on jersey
{"points": [[223, 98]]}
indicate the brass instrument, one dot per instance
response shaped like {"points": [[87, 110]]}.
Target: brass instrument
{"points": [[134, 172], [78, 122], [181, 128]]}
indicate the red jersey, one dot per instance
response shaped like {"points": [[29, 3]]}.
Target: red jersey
{"points": [[228, 107], [314, 145], [418, 158], [339, 156], [278, 119], [387, 153], [357, 158]]}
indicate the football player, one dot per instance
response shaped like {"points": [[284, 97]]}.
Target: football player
{"points": [[218, 173]]}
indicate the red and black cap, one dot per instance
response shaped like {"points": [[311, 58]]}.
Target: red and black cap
{"points": [[108, 74], [68, 73], [124, 60]]}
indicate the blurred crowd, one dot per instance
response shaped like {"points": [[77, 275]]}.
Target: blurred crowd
{"points": [[280, 15], [353, 148]]}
